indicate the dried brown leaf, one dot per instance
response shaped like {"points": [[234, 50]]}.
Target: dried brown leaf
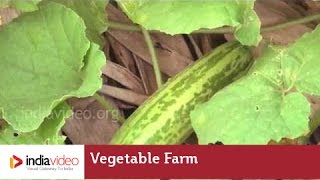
{"points": [[123, 76], [174, 43], [123, 94], [170, 60], [90, 123], [147, 75], [7, 15], [122, 55], [196, 48], [273, 12]]}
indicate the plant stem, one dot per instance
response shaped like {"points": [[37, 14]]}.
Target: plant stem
{"points": [[123, 26], [291, 23], [153, 55], [223, 30], [314, 123], [107, 106]]}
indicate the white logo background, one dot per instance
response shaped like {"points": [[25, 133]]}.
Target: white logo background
{"points": [[34, 151]]}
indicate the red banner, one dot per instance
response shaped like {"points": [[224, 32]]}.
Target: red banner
{"points": [[202, 162]]}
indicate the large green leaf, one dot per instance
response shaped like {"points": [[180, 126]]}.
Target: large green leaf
{"points": [[174, 17], [269, 103], [20, 5], [91, 11], [47, 133], [45, 58], [94, 15]]}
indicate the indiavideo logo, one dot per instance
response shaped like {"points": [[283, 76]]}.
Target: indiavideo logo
{"points": [[15, 161]]}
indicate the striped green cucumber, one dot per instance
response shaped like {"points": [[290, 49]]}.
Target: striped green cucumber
{"points": [[164, 117]]}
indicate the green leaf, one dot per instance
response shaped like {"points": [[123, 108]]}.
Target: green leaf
{"points": [[48, 60], [91, 11], [47, 133], [267, 104], [93, 62], [94, 15], [175, 17], [20, 5], [25, 5], [306, 57]]}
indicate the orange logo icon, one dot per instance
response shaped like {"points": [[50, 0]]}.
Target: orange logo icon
{"points": [[15, 162]]}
